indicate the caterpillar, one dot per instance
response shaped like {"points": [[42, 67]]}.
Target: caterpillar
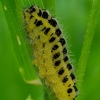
{"points": [[50, 52]]}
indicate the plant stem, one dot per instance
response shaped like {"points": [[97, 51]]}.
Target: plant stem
{"points": [[87, 41]]}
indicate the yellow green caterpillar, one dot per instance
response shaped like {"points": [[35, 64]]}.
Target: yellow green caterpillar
{"points": [[50, 53]]}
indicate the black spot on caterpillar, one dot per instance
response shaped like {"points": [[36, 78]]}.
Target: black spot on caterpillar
{"points": [[45, 15], [46, 31], [50, 52]]}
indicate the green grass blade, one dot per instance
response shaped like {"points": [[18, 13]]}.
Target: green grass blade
{"points": [[87, 41], [25, 66]]}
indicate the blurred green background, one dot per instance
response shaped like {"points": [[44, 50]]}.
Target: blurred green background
{"points": [[73, 16]]}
